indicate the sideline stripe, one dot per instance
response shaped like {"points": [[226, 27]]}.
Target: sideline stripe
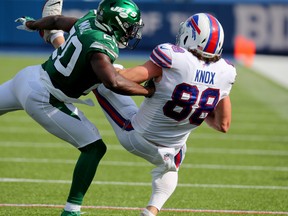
{"points": [[117, 146], [281, 126], [142, 164], [241, 137], [164, 209], [145, 184]]}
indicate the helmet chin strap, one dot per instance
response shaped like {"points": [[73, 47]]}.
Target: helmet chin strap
{"points": [[121, 45], [120, 24], [108, 30]]}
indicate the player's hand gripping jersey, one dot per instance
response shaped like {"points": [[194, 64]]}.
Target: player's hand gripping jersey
{"points": [[69, 62], [188, 91]]}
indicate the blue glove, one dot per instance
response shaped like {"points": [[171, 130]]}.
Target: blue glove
{"points": [[22, 21]]}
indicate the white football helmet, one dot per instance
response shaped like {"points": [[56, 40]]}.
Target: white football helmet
{"points": [[201, 32]]}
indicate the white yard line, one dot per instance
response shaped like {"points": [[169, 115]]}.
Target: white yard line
{"points": [[118, 147], [243, 137], [139, 209], [143, 164], [146, 184]]}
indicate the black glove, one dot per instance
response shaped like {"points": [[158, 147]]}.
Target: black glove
{"points": [[150, 86]]}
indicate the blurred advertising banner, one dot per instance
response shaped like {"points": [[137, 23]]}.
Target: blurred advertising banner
{"points": [[264, 23]]}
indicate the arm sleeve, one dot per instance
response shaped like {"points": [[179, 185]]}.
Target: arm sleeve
{"points": [[100, 44], [161, 56], [231, 77]]}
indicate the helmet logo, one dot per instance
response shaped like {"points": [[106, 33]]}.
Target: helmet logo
{"points": [[193, 24], [123, 15], [123, 12]]}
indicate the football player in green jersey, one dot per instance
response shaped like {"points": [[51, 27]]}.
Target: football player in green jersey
{"points": [[48, 92]]}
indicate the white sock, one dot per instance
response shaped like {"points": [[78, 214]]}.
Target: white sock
{"points": [[72, 207], [162, 188]]}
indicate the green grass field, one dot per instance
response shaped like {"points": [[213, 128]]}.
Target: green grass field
{"points": [[242, 172]]}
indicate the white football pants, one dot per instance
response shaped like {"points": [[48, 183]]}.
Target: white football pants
{"points": [[27, 92], [119, 110]]}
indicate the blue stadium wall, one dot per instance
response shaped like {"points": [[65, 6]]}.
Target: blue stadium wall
{"points": [[265, 22]]}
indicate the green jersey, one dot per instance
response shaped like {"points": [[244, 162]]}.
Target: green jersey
{"points": [[69, 66]]}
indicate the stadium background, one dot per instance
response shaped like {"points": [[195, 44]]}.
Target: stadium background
{"points": [[263, 21], [243, 172]]}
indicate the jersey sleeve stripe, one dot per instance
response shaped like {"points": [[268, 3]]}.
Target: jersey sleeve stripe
{"points": [[163, 55], [160, 58], [104, 48]]}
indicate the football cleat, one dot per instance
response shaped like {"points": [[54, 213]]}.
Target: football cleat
{"points": [[146, 212], [67, 213], [51, 7]]}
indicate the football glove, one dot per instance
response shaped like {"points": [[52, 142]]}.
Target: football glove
{"points": [[22, 21], [150, 86]]}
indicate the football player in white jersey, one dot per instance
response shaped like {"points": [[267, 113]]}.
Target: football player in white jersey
{"points": [[47, 92], [192, 84]]}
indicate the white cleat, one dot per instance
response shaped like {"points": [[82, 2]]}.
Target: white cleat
{"points": [[51, 7], [146, 212]]}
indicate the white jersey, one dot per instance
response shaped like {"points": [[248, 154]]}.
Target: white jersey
{"points": [[188, 91]]}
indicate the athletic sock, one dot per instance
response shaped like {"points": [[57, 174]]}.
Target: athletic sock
{"points": [[72, 207], [162, 188], [85, 170]]}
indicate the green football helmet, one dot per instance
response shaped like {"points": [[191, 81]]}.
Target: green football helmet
{"points": [[124, 20]]}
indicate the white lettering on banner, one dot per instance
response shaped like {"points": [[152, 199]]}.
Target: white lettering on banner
{"points": [[267, 26], [175, 18], [152, 23], [152, 20], [74, 13], [279, 27]]}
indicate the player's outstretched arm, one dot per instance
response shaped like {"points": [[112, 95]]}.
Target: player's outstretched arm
{"points": [[54, 22], [58, 22], [105, 71], [142, 73], [220, 118]]}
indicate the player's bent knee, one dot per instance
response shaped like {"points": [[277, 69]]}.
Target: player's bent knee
{"points": [[98, 146]]}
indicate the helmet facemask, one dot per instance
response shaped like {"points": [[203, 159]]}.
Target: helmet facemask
{"points": [[181, 37], [131, 36]]}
